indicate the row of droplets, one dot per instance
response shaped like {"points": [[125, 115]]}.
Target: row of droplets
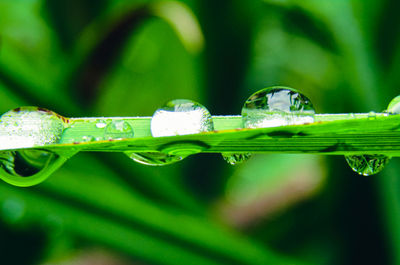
{"points": [[269, 107], [275, 106]]}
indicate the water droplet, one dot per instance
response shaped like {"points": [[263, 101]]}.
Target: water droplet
{"points": [[181, 117], [177, 117], [29, 127], [372, 164], [394, 106], [372, 115], [367, 164], [271, 107], [28, 167], [118, 129], [101, 124], [277, 106], [154, 158], [88, 138], [235, 158]]}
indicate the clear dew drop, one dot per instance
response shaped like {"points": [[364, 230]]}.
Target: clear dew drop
{"points": [[29, 127], [235, 158], [177, 117], [277, 106], [24, 128], [181, 117], [118, 129], [367, 165], [272, 107], [394, 106]]}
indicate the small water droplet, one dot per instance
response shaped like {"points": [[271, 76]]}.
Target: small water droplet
{"points": [[118, 129], [29, 127], [154, 158], [101, 124], [88, 138], [394, 106], [372, 115], [235, 158], [367, 164], [277, 106]]}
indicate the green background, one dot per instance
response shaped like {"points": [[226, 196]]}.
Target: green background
{"points": [[127, 58]]}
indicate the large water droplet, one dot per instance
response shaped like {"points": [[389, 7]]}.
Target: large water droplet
{"points": [[277, 106], [271, 107], [177, 117], [181, 117], [29, 127], [235, 158], [28, 167], [118, 129], [394, 106], [367, 164]]}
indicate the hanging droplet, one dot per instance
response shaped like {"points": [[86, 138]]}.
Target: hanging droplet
{"points": [[235, 158], [29, 127], [372, 164], [177, 117], [277, 106], [367, 165], [118, 129], [25, 163], [154, 158], [27, 167]]}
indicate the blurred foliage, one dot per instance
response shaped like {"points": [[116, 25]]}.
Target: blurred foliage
{"points": [[116, 58]]}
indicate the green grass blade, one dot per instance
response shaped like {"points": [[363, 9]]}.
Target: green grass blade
{"points": [[336, 134]]}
